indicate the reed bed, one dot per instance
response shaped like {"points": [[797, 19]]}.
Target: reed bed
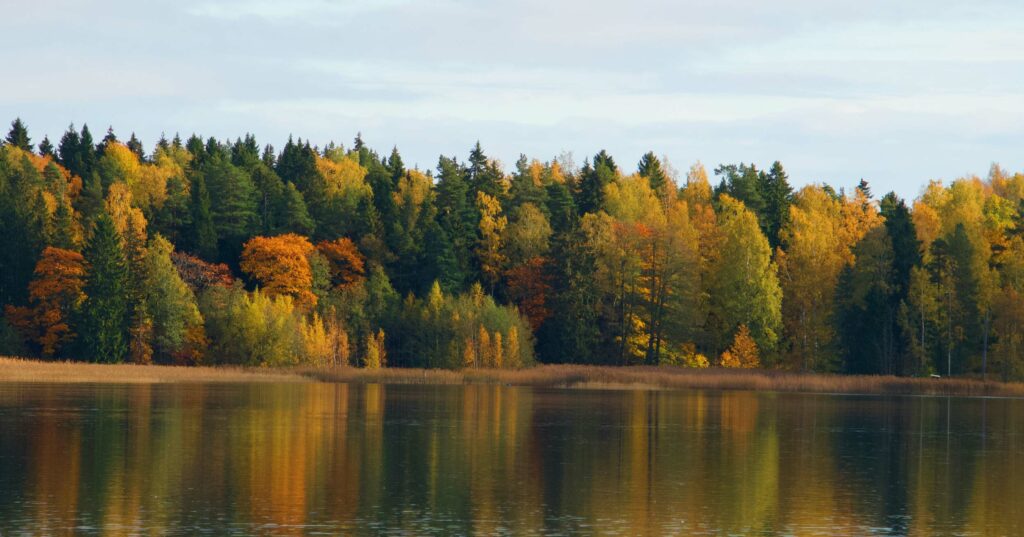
{"points": [[553, 376], [580, 376], [24, 370]]}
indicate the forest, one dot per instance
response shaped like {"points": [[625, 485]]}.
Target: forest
{"points": [[228, 252]]}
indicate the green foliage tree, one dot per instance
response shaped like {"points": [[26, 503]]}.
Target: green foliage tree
{"points": [[103, 321]]}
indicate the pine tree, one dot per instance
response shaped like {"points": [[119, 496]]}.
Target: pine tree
{"points": [[103, 321]]}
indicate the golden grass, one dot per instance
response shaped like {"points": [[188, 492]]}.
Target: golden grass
{"points": [[558, 376], [579, 376], [22, 370]]}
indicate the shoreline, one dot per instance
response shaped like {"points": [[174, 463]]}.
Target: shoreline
{"points": [[18, 370]]}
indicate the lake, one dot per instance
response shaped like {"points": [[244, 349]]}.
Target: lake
{"points": [[308, 459]]}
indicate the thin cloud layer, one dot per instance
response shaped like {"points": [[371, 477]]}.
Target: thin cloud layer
{"points": [[837, 91]]}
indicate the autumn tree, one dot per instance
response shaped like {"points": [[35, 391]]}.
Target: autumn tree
{"points": [[347, 266], [55, 294], [743, 352], [177, 326], [489, 247], [281, 266]]}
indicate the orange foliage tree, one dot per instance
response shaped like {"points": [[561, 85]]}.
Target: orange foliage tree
{"points": [[55, 292], [346, 263], [529, 286], [281, 265]]}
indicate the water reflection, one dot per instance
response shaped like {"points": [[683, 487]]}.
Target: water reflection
{"points": [[302, 459]]}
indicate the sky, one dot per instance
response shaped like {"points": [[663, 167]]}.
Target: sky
{"points": [[897, 93]]}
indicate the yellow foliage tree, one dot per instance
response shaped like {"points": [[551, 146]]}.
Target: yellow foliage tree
{"points": [[743, 352], [375, 357], [492, 228]]}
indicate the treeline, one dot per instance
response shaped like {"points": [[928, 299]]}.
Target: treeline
{"points": [[229, 252]]}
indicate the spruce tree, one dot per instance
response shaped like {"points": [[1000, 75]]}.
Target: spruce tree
{"points": [[136, 146], [456, 215], [595, 177], [67, 152], [203, 235], [777, 196], [87, 158], [18, 135], [103, 321], [650, 168], [46, 148], [294, 216]]}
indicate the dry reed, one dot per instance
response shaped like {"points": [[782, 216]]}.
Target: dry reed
{"points": [[580, 376], [24, 370], [556, 376]]}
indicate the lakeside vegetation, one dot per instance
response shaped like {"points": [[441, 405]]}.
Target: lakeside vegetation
{"points": [[547, 376], [228, 253]]}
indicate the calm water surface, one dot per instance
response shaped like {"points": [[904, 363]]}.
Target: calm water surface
{"points": [[369, 460]]}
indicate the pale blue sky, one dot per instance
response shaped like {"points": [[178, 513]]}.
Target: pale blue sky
{"points": [[895, 92]]}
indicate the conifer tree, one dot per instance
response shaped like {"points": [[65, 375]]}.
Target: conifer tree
{"points": [[595, 178], [46, 148], [18, 136], [203, 235], [103, 321], [650, 168]]}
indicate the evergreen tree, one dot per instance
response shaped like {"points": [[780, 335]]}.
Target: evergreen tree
{"points": [[594, 179], [64, 234], [866, 314], [528, 185], [87, 157], [650, 168], [742, 182], [297, 164], [109, 138], [233, 202], [294, 217], [18, 135], [46, 148], [68, 154], [560, 207], [103, 321], [456, 215], [203, 235], [439, 261], [777, 196], [484, 174], [90, 203], [136, 146], [24, 225], [572, 334]]}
